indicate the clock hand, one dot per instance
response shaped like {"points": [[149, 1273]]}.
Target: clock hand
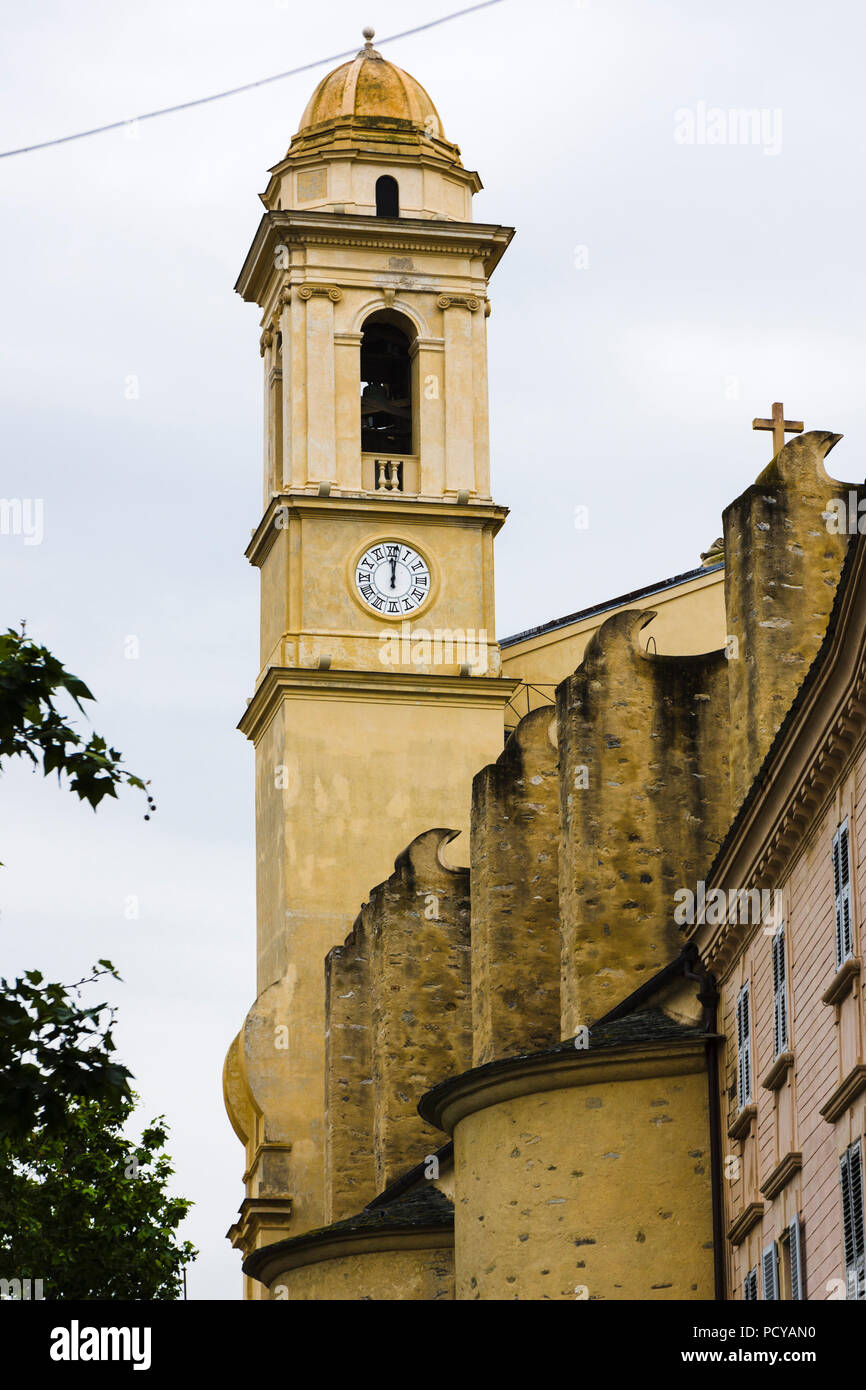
{"points": [[393, 573]]}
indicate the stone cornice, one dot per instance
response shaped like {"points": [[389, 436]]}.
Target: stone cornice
{"points": [[775, 1077], [345, 140], [279, 1258], [283, 682], [739, 1229], [742, 1122], [818, 738], [782, 1175], [848, 1090], [447, 1104], [258, 1214], [482, 240], [392, 508], [842, 982]]}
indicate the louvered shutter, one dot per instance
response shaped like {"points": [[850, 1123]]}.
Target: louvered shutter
{"points": [[851, 1179], [770, 1271], [842, 891], [795, 1252], [780, 994], [750, 1286], [744, 1049]]}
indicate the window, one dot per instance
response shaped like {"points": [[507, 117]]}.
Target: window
{"points": [[744, 1049], [770, 1271], [851, 1182], [780, 994], [386, 385], [791, 1262], [842, 891], [781, 1268], [387, 197]]}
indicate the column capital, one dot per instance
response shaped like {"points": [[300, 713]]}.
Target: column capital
{"points": [[459, 301], [333, 292]]}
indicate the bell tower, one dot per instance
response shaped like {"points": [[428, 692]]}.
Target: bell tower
{"points": [[380, 692]]}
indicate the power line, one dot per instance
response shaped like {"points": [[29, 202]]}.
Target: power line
{"points": [[246, 86]]}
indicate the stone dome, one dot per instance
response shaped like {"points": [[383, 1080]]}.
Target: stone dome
{"points": [[370, 88]]}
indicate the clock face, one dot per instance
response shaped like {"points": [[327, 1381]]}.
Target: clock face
{"points": [[392, 578]]}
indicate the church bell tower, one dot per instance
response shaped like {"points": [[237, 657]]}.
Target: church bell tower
{"points": [[380, 693]]}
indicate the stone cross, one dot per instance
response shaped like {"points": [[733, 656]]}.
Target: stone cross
{"points": [[779, 425]]}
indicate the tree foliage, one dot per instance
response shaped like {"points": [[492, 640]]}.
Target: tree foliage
{"points": [[31, 725], [52, 1050], [86, 1210], [82, 1208]]}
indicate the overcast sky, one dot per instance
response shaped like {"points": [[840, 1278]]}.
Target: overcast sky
{"points": [[657, 296]]}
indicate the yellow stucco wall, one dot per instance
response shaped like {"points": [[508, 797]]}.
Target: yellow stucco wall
{"points": [[590, 1192], [363, 771], [690, 619]]}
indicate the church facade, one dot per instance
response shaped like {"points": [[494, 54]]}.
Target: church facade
{"points": [[558, 952]]}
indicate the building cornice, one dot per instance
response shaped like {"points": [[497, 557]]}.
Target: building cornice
{"points": [[387, 507], [344, 149], [560, 1069], [283, 1256], [784, 1171], [819, 736], [485, 241], [285, 683]]}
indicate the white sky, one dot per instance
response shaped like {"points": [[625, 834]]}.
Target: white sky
{"points": [[720, 278]]}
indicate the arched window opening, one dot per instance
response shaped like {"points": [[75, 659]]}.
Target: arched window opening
{"points": [[387, 197], [386, 388]]}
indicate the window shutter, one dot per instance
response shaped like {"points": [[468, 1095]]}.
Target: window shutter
{"points": [[770, 1271], [851, 1180], [795, 1251], [744, 1049], [780, 994], [842, 891], [750, 1286]]}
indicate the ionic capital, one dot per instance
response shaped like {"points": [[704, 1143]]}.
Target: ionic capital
{"points": [[462, 301], [332, 291]]}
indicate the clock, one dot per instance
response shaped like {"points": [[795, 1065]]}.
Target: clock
{"points": [[391, 578]]}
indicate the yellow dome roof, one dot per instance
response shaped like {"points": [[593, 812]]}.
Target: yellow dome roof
{"points": [[367, 88]]}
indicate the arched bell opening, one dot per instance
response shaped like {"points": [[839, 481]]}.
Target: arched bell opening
{"points": [[386, 384]]}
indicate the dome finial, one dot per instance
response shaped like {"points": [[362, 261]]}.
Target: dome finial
{"points": [[369, 34]]}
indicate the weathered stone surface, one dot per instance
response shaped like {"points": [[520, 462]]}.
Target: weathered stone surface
{"points": [[643, 786], [419, 974], [589, 1191], [515, 894], [782, 568], [350, 1170], [398, 1020]]}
